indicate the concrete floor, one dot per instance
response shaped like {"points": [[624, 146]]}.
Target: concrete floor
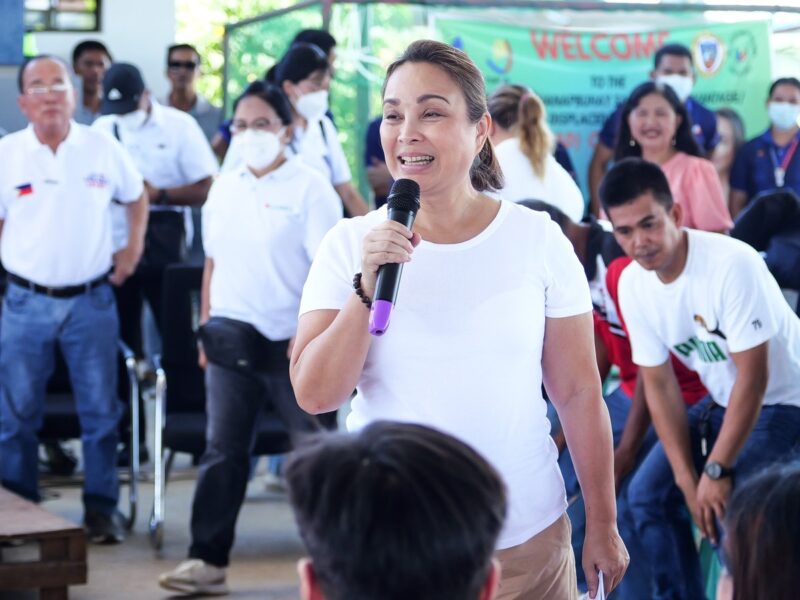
{"points": [[262, 562]]}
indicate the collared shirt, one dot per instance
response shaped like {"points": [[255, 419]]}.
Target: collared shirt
{"points": [[83, 115], [753, 169], [207, 115], [55, 207], [262, 233], [170, 150], [704, 126]]}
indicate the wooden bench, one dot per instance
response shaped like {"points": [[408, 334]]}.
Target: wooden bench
{"points": [[61, 544]]}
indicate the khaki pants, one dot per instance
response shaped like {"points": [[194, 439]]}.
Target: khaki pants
{"points": [[543, 568]]}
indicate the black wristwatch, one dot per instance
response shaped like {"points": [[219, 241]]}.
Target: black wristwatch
{"points": [[716, 471], [162, 199]]}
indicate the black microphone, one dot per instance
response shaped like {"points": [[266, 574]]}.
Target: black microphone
{"points": [[402, 204]]}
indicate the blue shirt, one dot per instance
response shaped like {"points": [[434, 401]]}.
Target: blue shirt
{"points": [[704, 126], [374, 149], [562, 157], [753, 170]]}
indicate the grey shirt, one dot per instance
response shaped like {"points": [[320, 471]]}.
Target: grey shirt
{"points": [[206, 114]]}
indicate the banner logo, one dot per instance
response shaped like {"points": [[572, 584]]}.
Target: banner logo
{"points": [[743, 50], [502, 57], [709, 52]]}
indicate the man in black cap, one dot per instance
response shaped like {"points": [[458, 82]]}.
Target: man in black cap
{"points": [[173, 156]]}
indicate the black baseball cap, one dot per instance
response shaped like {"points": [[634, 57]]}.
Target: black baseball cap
{"points": [[122, 88]]}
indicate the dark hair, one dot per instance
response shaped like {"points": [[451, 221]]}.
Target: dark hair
{"points": [[270, 94], [672, 50], [783, 81], [630, 178], [299, 62], [736, 124], [485, 172], [88, 45], [397, 511], [684, 140], [515, 105], [175, 47], [559, 217], [762, 525], [28, 61], [319, 37]]}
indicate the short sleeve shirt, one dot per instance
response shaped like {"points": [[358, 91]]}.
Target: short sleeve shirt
{"points": [[56, 206], [724, 301], [753, 170], [463, 352]]}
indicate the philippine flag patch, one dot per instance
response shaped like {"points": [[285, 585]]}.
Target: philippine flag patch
{"points": [[24, 190]]}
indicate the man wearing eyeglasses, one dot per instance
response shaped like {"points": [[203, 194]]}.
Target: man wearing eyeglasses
{"points": [[183, 68], [176, 161], [57, 181]]}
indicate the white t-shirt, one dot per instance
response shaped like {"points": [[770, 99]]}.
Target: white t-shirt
{"points": [[262, 234], [521, 183], [55, 207], [323, 153], [170, 150], [724, 301], [463, 353]]}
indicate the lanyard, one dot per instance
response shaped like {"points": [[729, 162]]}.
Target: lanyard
{"points": [[780, 168]]}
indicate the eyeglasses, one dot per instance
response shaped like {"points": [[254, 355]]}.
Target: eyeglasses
{"points": [[257, 125], [41, 90], [189, 65]]}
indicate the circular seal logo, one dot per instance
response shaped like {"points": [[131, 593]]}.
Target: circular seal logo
{"points": [[502, 57], [743, 49], [709, 53]]}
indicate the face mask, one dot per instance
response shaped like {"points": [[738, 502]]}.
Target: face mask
{"points": [[133, 120], [680, 84], [313, 106], [258, 149], [783, 115]]}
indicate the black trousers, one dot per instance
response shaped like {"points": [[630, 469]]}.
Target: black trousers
{"points": [[234, 400]]}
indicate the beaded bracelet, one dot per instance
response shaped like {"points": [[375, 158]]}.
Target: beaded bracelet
{"points": [[360, 292]]}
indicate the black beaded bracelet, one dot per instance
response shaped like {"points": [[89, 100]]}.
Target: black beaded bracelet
{"points": [[360, 292]]}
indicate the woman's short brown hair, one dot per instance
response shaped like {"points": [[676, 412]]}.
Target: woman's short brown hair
{"points": [[485, 173]]}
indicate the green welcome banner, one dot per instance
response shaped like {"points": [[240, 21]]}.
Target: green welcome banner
{"points": [[582, 76]]}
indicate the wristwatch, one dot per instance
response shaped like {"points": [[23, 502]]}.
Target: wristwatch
{"points": [[716, 471], [162, 199]]}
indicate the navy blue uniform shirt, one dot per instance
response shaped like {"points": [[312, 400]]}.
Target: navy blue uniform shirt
{"points": [[753, 170], [704, 126]]}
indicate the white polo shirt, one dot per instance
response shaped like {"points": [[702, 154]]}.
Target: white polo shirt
{"points": [[262, 234], [321, 152], [55, 207], [170, 150]]}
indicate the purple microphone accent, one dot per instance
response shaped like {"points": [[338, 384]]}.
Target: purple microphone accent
{"points": [[379, 317]]}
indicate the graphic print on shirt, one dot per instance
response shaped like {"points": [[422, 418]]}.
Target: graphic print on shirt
{"points": [[708, 350]]}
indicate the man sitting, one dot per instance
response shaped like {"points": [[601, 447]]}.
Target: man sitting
{"points": [[711, 301], [397, 511]]}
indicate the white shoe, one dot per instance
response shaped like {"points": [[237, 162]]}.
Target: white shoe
{"points": [[274, 483], [195, 576]]}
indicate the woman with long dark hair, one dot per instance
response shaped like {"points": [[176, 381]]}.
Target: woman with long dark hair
{"points": [[655, 126]]}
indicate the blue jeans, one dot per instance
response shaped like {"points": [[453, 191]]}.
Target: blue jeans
{"points": [[658, 506], [636, 585], [86, 329]]}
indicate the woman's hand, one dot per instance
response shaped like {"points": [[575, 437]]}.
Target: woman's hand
{"points": [[604, 551], [389, 242]]}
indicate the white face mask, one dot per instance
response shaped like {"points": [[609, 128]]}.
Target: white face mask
{"points": [[783, 114], [313, 106], [680, 84], [258, 149], [133, 120]]}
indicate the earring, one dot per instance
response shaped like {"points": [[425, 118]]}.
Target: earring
{"points": [[673, 140], [632, 142]]}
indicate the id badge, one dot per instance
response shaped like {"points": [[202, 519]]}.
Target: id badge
{"points": [[780, 176]]}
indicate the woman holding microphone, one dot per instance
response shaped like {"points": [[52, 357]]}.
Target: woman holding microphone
{"points": [[262, 223], [492, 303]]}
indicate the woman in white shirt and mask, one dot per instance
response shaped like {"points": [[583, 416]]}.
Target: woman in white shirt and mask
{"points": [[262, 224]]}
